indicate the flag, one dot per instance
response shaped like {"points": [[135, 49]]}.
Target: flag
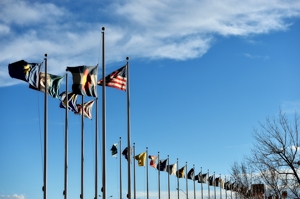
{"points": [[180, 172], [197, 177], [114, 150], [72, 98], [210, 180], [141, 158], [191, 174], [116, 79], [53, 84], [227, 185], [162, 165], [171, 169], [152, 161], [216, 182], [87, 109], [222, 183], [84, 80], [28, 72], [202, 178], [125, 153]]}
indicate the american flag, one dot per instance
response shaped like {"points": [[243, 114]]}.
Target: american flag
{"points": [[116, 79]]}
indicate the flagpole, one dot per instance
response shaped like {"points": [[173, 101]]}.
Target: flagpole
{"points": [[128, 127], [208, 185], [96, 150], [120, 169], [45, 129], [147, 172], [66, 142], [225, 187], [103, 119], [186, 182], [177, 180], [201, 184], [82, 146], [194, 183], [158, 169], [220, 181], [134, 178], [169, 178], [214, 183]]}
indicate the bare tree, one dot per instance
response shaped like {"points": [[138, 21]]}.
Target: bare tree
{"points": [[275, 156]]}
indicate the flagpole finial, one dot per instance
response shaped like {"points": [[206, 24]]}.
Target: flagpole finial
{"points": [[46, 55], [127, 58], [103, 28]]}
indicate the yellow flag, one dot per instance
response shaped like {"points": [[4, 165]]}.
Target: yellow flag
{"points": [[141, 158]]}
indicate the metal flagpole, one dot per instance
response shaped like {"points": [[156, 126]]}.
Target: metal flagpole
{"points": [[201, 184], [134, 179], [158, 169], [225, 187], [147, 172], [103, 119], [220, 183], [128, 128], [96, 150], [194, 182], [208, 184], [186, 182], [120, 168], [214, 183], [177, 180], [45, 129], [82, 147], [231, 187], [66, 142], [169, 178]]}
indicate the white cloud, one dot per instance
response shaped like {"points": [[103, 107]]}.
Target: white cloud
{"points": [[265, 57], [14, 196], [170, 29]]}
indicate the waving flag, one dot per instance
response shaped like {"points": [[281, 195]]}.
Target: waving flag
{"points": [[141, 158], [53, 84], [28, 72], [87, 109], [72, 98], [152, 161], [162, 165], [114, 150], [171, 169], [84, 80], [180, 172], [191, 174], [116, 79]]}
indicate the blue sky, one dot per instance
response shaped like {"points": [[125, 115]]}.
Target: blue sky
{"points": [[203, 74]]}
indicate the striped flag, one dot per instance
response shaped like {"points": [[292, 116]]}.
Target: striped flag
{"points": [[87, 109], [116, 79]]}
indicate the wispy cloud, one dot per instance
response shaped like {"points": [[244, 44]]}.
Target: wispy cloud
{"points": [[265, 57], [14, 196], [290, 107], [171, 29]]}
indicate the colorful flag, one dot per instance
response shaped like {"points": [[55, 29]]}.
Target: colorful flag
{"points": [[191, 174], [152, 161], [210, 180], [53, 84], [114, 150], [72, 98], [116, 79], [84, 80], [180, 172], [87, 109], [162, 165], [141, 158], [171, 169], [28, 72]]}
